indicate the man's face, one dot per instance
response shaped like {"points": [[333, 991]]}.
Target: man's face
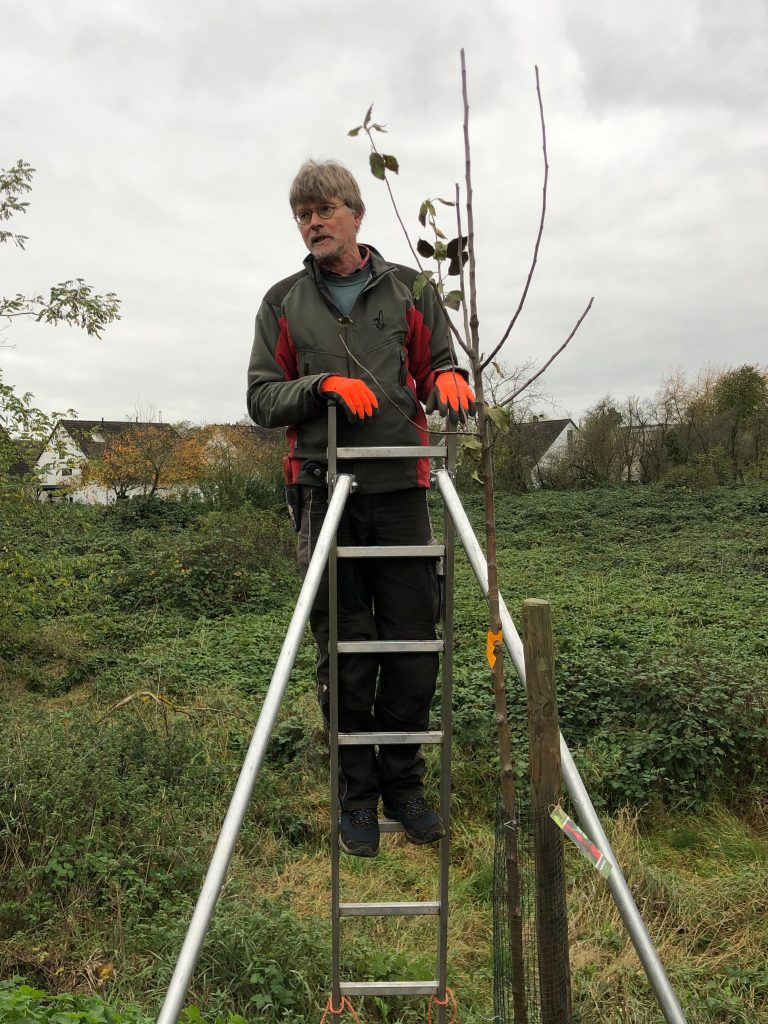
{"points": [[332, 242]]}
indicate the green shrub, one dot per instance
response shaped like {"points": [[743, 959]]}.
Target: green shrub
{"points": [[229, 561]]}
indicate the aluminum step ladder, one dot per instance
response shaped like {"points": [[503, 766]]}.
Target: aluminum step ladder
{"points": [[455, 520], [438, 908]]}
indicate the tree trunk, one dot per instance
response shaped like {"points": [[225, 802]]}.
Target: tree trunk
{"points": [[508, 796]]}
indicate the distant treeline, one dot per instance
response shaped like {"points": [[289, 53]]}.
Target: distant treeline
{"points": [[700, 433]]}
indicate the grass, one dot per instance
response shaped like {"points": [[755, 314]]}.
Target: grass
{"points": [[110, 802]]}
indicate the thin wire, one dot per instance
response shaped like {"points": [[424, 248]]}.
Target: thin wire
{"points": [[458, 433]]}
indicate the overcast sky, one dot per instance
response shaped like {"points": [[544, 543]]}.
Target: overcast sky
{"points": [[165, 135]]}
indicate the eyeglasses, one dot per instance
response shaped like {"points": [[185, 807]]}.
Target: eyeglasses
{"points": [[324, 212]]}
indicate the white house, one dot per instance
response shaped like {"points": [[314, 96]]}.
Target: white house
{"points": [[71, 445], [542, 441]]}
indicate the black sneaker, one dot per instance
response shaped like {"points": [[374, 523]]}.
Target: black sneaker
{"points": [[359, 832], [422, 824]]}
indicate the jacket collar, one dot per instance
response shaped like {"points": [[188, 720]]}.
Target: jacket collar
{"points": [[379, 265]]}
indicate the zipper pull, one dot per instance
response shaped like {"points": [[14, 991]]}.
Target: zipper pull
{"points": [[346, 321]]}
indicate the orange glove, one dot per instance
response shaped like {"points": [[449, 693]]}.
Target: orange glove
{"points": [[355, 396], [452, 397]]}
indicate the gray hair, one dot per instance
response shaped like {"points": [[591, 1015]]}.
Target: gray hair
{"points": [[320, 181]]}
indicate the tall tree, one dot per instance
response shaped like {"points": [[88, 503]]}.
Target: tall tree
{"points": [[740, 397], [144, 458], [451, 256], [72, 302]]}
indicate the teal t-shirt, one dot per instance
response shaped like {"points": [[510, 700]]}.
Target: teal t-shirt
{"points": [[344, 290]]}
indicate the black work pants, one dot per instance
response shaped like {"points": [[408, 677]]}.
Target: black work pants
{"points": [[378, 599]]}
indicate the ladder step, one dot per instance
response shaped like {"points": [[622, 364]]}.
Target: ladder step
{"points": [[389, 646], [430, 908], [367, 739], [394, 452], [388, 825], [388, 988], [392, 551]]}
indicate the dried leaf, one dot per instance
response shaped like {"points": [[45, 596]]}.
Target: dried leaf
{"points": [[423, 248], [423, 211], [380, 128], [453, 299], [367, 118], [378, 169], [439, 233], [446, 202]]}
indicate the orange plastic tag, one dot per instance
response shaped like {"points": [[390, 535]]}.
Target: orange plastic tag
{"points": [[490, 645]]}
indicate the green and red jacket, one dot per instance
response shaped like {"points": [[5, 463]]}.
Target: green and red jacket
{"points": [[395, 343]]}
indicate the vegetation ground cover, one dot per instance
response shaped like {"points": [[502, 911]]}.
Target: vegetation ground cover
{"points": [[108, 810]]}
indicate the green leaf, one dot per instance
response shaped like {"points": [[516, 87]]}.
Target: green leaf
{"points": [[453, 299], [499, 416], [390, 162], [355, 131], [471, 441], [476, 476], [423, 211], [378, 168], [367, 118], [421, 282], [423, 248]]}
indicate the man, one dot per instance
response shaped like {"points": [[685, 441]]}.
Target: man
{"points": [[347, 329]]}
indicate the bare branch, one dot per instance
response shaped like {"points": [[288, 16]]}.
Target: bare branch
{"points": [[534, 261], [513, 396], [473, 320], [374, 149], [451, 325], [464, 305]]}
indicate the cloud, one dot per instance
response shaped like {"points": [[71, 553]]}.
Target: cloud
{"points": [[165, 137]]}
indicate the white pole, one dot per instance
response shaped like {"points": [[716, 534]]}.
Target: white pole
{"points": [[233, 822]]}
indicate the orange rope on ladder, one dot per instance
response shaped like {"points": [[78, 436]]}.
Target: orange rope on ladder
{"points": [[330, 1009], [434, 1001]]}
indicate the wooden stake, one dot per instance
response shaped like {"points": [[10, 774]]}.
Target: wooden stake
{"points": [[544, 745]]}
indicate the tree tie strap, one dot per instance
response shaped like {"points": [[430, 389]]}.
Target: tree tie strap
{"points": [[333, 1012], [434, 1001]]}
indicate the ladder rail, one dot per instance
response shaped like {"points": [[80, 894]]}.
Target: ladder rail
{"points": [[333, 723], [446, 723], [233, 821], [622, 896]]}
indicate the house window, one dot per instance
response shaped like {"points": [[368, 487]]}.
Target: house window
{"points": [[569, 435]]}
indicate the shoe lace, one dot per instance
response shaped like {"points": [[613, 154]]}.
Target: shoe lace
{"points": [[364, 817], [416, 807]]}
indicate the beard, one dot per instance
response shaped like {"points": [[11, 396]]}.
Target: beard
{"points": [[327, 250]]}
